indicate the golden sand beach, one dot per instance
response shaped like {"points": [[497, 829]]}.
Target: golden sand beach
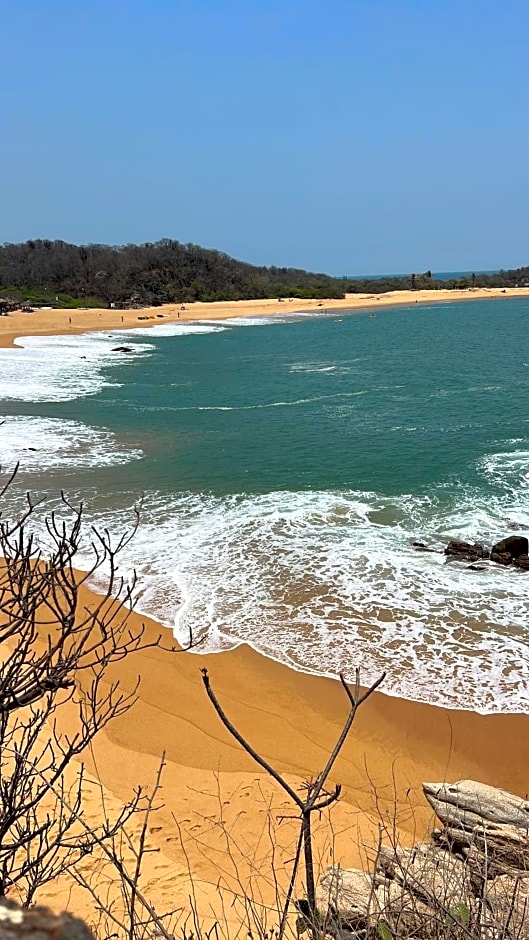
{"points": [[218, 805], [49, 321]]}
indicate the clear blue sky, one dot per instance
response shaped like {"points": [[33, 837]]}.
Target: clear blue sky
{"points": [[347, 136]]}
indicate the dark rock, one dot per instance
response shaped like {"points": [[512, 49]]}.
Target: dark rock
{"points": [[476, 568], [501, 558], [522, 562], [466, 551], [514, 544], [122, 349], [421, 547]]}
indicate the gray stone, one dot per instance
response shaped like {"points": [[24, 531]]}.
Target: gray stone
{"points": [[467, 803], [39, 923]]}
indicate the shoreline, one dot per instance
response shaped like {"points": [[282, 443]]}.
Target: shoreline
{"points": [[354, 304], [53, 321], [213, 791], [292, 717]]}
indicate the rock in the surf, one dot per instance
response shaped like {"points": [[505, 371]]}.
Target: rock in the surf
{"points": [[466, 551], [513, 545], [522, 562], [501, 558]]}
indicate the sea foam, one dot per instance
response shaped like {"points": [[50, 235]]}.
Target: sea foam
{"points": [[328, 581], [38, 444], [63, 368]]}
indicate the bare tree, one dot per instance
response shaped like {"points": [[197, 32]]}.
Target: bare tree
{"points": [[316, 797], [56, 646]]}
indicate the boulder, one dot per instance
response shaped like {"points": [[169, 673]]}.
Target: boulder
{"points": [[514, 545], [421, 547], [467, 803], [466, 551], [522, 562], [345, 895], [122, 349], [434, 875], [508, 906], [501, 558], [490, 849], [470, 880], [405, 914], [39, 923]]}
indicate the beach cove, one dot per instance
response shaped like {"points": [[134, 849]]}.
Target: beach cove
{"points": [[291, 717]]}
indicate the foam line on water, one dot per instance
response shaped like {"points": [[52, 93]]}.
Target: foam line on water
{"points": [[61, 368], [182, 328], [39, 444], [330, 581]]}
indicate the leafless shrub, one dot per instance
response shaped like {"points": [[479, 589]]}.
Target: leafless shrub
{"points": [[56, 647]]}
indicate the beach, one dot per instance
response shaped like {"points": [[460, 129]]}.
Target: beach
{"points": [[48, 321], [218, 805]]}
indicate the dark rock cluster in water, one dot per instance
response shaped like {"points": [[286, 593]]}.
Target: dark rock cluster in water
{"points": [[513, 550]]}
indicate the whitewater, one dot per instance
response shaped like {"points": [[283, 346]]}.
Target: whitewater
{"points": [[285, 467]]}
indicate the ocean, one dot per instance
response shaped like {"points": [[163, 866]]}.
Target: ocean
{"points": [[286, 465]]}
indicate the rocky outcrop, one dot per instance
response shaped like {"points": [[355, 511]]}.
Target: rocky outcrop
{"points": [[513, 550], [39, 923], [513, 545], [471, 877], [466, 551], [466, 804]]}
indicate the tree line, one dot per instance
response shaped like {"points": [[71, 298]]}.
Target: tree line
{"points": [[42, 271]]}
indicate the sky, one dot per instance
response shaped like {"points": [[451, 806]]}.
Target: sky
{"points": [[345, 136]]}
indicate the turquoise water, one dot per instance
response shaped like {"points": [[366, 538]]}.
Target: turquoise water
{"points": [[287, 465]]}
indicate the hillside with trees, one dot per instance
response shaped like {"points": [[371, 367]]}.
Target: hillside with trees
{"points": [[42, 271]]}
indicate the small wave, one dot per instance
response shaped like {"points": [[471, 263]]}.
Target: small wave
{"points": [[61, 368], [311, 369], [509, 469], [184, 328], [258, 406], [38, 444], [328, 581]]}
